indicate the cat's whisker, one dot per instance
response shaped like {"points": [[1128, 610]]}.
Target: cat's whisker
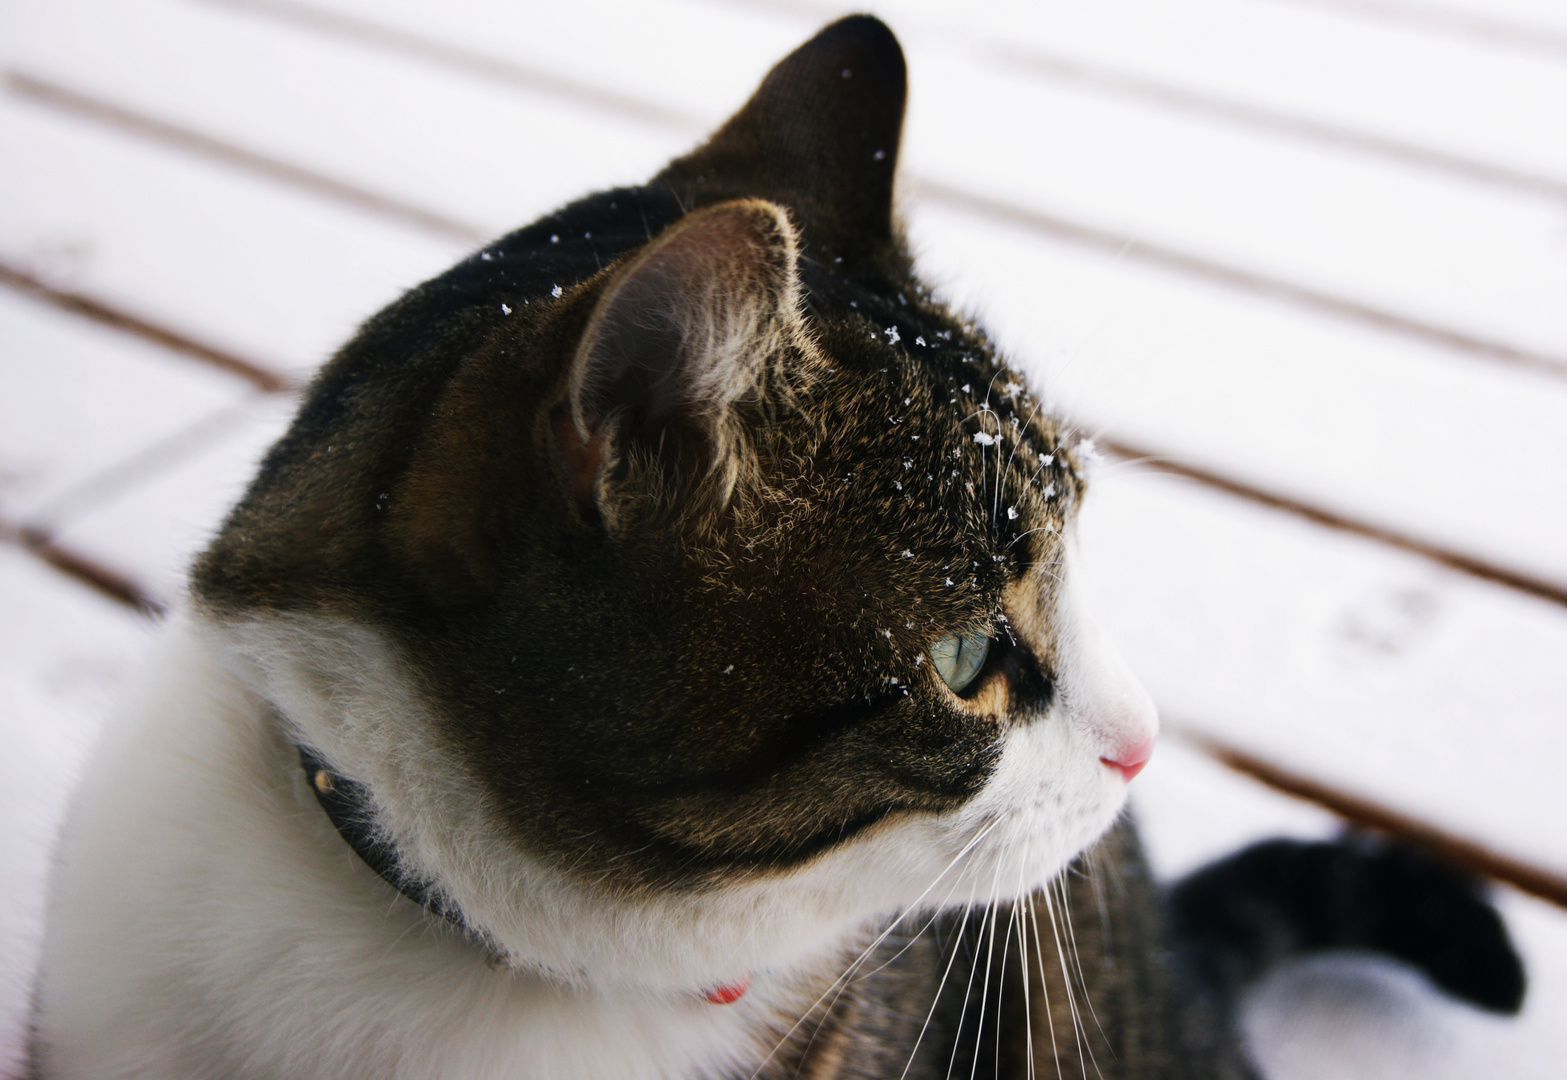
{"points": [[968, 990], [968, 993], [1030, 532], [1022, 955], [1001, 971], [1077, 956], [1078, 1030], [1044, 984], [957, 944], [936, 913], [990, 955], [1016, 442], [841, 983]]}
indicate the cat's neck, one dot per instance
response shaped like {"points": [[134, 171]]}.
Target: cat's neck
{"points": [[378, 962]]}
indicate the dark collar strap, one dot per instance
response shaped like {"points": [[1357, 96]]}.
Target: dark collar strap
{"points": [[347, 804]]}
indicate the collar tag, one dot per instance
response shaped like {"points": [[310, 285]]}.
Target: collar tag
{"points": [[729, 993]]}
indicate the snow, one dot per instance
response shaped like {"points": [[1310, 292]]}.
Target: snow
{"points": [[1378, 672]]}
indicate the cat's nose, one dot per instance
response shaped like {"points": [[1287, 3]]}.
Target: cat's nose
{"points": [[1130, 762], [1110, 702]]}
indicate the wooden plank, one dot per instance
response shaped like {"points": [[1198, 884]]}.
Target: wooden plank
{"points": [[1339, 452], [239, 263], [467, 156], [152, 531], [1409, 250], [1416, 244], [1377, 673], [1464, 96], [81, 401], [1527, 27], [1380, 429]]}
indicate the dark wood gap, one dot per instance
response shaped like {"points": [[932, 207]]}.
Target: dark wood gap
{"points": [[123, 589], [105, 580], [1541, 588], [1062, 229], [85, 106], [1241, 280], [1468, 564], [1109, 82], [1055, 227], [1455, 23], [1476, 857], [106, 314]]}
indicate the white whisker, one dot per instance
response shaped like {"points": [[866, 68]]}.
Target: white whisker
{"points": [[836, 988], [957, 943], [1044, 986], [990, 954], [1022, 956]]}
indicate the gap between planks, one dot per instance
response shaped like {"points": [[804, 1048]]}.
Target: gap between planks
{"points": [[101, 578], [87, 107], [1319, 515], [1476, 857], [469, 62], [123, 589], [107, 314], [1109, 82]]}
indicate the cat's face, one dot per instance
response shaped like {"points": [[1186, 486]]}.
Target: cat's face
{"points": [[685, 584]]}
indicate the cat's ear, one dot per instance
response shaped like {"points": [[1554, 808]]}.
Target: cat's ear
{"points": [[687, 336], [820, 136]]}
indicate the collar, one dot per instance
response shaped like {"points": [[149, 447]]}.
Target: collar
{"points": [[347, 805]]}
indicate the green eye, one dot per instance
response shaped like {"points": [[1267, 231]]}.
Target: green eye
{"points": [[958, 658]]}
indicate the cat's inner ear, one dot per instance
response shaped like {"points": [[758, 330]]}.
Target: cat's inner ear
{"points": [[688, 333]]}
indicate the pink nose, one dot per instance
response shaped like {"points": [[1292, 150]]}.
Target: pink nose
{"points": [[1130, 762]]}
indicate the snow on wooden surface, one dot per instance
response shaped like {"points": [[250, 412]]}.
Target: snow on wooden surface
{"points": [[65, 657], [1343, 1015], [1315, 246]]}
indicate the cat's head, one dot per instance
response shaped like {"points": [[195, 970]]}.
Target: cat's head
{"points": [[684, 583]]}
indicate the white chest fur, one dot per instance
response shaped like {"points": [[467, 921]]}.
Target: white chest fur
{"points": [[207, 921]]}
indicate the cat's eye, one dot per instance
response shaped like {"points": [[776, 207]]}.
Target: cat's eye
{"points": [[959, 657]]}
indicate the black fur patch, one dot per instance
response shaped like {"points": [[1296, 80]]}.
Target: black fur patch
{"points": [[661, 696], [1279, 898]]}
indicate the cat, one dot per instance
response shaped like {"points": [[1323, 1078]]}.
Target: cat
{"points": [[653, 651]]}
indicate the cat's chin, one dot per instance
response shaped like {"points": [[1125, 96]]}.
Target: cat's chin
{"points": [[341, 689]]}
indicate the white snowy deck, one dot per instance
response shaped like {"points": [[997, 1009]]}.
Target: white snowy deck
{"points": [[1300, 264]]}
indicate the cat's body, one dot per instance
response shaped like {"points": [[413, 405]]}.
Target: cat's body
{"points": [[665, 601]]}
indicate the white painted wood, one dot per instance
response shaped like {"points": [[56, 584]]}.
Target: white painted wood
{"points": [[152, 531], [1464, 94], [1418, 243], [1349, 419], [1423, 245], [486, 155], [244, 264], [1377, 672], [83, 404], [1408, 436]]}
